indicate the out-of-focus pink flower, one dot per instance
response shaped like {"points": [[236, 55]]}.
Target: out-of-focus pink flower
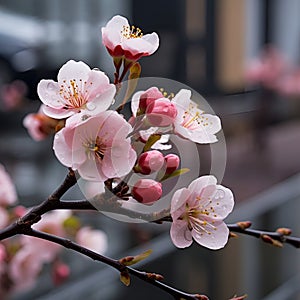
{"points": [[95, 240], [149, 162], [13, 94], [147, 191], [19, 211], [192, 123], [8, 194], [172, 162], [24, 268], [52, 223], [39, 125], [97, 147], [289, 85], [3, 217], [79, 89], [161, 113], [60, 273], [121, 39], [267, 69], [198, 212]]}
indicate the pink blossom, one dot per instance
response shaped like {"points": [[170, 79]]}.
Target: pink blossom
{"points": [[97, 147], [60, 273], [192, 123], [141, 100], [4, 217], [121, 39], [39, 125], [95, 240], [24, 268], [198, 212], [289, 85], [13, 94], [161, 113], [149, 162], [267, 69], [147, 191], [52, 223], [8, 194], [79, 89], [172, 162]]}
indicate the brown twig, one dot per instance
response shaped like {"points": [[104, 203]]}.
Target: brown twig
{"points": [[23, 226]]}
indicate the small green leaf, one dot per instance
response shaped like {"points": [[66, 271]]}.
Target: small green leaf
{"points": [[151, 141], [134, 75], [125, 278], [72, 224], [175, 173], [131, 260]]}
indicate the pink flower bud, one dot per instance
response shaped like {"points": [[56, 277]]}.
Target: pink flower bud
{"points": [[61, 272], [147, 191], [172, 163], [150, 162], [148, 97], [161, 112]]}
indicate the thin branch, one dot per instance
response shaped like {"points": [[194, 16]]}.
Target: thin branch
{"points": [[148, 277], [35, 214], [282, 235]]}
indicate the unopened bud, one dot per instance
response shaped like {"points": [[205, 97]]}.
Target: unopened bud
{"points": [[61, 272], [155, 276], [233, 235], [161, 112], [267, 239], [148, 97], [149, 162], [147, 191], [172, 163], [244, 225], [284, 231]]}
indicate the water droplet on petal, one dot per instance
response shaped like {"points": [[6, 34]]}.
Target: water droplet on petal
{"points": [[96, 69], [51, 86], [113, 101], [220, 194], [90, 106]]}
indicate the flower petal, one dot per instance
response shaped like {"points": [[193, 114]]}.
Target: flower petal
{"points": [[73, 70], [48, 91], [180, 234], [178, 201], [214, 238], [57, 113], [222, 202], [112, 32], [198, 184]]}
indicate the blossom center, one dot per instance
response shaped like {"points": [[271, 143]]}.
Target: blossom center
{"points": [[194, 217], [75, 93], [131, 32], [193, 118], [95, 149]]}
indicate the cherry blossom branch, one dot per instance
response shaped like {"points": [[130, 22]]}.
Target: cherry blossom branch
{"points": [[276, 238], [23, 226], [124, 270], [34, 215]]}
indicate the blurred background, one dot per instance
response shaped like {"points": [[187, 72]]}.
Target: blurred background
{"points": [[243, 56]]}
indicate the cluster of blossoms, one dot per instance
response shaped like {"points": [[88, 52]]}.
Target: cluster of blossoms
{"points": [[272, 71], [22, 258], [104, 146]]}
